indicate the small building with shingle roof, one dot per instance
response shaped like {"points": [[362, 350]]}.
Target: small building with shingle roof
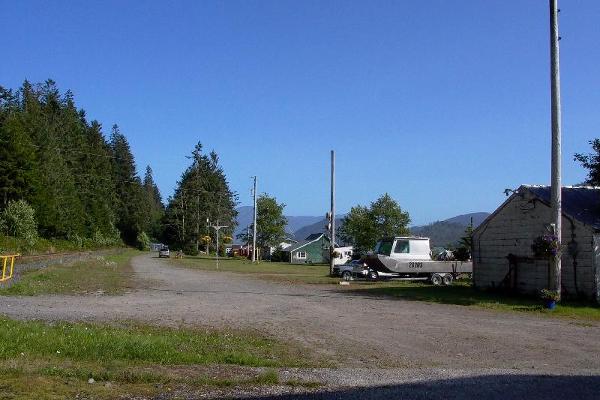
{"points": [[503, 256]]}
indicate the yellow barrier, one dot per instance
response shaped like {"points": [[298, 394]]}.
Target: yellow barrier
{"points": [[6, 263]]}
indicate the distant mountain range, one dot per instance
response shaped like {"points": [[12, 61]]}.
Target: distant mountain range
{"points": [[441, 233], [317, 227], [449, 231], [245, 215]]}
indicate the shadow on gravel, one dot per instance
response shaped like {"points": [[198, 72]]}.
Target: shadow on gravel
{"points": [[460, 294], [503, 387]]}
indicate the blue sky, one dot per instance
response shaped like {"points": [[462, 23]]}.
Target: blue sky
{"points": [[442, 104]]}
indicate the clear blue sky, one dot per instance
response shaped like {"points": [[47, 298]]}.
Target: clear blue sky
{"points": [[442, 104]]}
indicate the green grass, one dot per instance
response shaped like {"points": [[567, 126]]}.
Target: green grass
{"points": [[43, 360], [462, 293], [109, 274], [139, 343], [274, 271]]}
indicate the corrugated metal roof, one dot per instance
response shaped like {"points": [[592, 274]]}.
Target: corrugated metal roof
{"points": [[579, 202]]}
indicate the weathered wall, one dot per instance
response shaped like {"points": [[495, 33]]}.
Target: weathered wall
{"points": [[512, 231]]}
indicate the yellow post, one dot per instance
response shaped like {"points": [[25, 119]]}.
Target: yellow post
{"points": [[6, 276]]}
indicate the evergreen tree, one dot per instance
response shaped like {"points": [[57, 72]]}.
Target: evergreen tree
{"points": [[17, 155], [56, 200], [128, 188], [78, 184], [154, 205], [201, 194]]}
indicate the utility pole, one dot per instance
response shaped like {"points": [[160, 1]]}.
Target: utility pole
{"points": [[248, 238], [555, 188], [197, 221], [254, 224], [332, 231], [217, 228]]}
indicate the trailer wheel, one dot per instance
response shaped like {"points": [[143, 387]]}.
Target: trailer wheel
{"points": [[373, 275], [347, 275], [447, 279], [436, 279]]}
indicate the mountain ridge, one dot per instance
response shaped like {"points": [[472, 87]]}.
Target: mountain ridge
{"points": [[442, 233]]}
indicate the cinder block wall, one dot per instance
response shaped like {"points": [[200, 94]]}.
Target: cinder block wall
{"points": [[512, 231]]}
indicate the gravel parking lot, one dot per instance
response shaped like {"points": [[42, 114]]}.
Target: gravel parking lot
{"points": [[386, 344]]}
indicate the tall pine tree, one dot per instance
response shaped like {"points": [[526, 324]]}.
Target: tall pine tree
{"points": [[128, 188]]}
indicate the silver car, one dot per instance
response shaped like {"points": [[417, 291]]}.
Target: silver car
{"points": [[349, 270], [164, 252]]}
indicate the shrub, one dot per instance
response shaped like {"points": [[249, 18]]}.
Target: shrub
{"points": [[190, 249], [18, 220], [143, 241], [111, 238]]}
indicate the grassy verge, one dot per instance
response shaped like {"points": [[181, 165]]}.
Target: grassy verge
{"points": [[275, 271], [39, 360], [462, 293], [109, 274]]}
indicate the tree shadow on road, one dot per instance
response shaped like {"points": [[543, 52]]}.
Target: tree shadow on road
{"points": [[489, 387]]}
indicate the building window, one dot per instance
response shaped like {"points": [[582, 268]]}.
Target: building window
{"points": [[300, 254]]}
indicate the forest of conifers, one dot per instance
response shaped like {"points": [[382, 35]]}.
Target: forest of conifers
{"points": [[61, 177]]}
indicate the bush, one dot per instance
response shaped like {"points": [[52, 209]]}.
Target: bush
{"points": [[190, 249], [18, 220], [143, 241], [77, 240], [112, 238], [280, 256]]}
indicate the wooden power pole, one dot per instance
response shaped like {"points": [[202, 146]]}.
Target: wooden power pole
{"points": [[254, 224], [555, 188], [332, 213]]}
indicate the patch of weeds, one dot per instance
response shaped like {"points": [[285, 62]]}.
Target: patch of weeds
{"points": [[304, 384], [268, 377], [110, 274]]}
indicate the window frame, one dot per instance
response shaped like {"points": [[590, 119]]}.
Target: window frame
{"points": [[407, 246]]}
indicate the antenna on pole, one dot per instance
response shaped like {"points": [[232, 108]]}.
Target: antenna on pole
{"points": [[555, 187], [217, 228]]}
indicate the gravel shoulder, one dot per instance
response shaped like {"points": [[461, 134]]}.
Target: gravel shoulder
{"points": [[357, 333]]}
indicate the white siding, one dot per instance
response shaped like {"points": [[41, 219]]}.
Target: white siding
{"points": [[512, 230]]}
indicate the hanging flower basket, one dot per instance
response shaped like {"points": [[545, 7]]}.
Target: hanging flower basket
{"points": [[546, 246]]}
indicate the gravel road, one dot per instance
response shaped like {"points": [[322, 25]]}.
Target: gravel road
{"points": [[376, 341]]}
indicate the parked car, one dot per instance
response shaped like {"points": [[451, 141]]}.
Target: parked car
{"points": [[348, 270], [164, 252]]}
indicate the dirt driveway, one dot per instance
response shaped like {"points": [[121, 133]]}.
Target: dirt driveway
{"points": [[353, 330]]}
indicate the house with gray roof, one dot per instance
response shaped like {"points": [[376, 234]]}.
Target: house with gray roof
{"points": [[504, 253]]}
